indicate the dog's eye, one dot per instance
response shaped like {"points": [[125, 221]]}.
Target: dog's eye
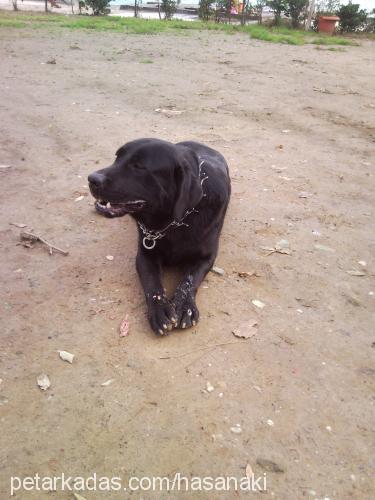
{"points": [[137, 166]]}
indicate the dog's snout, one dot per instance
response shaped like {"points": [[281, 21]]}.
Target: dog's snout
{"points": [[97, 179]]}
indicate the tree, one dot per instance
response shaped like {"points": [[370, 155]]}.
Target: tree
{"points": [[260, 4], [205, 9], [14, 3], [169, 8], [99, 7], [295, 9], [278, 7], [351, 17], [246, 7], [370, 22], [327, 7]]}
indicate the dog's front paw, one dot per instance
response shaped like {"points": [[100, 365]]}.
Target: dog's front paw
{"points": [[186, 309], [161, 314]]}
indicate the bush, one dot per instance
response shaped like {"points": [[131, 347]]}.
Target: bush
{"points": [[351, 17]]}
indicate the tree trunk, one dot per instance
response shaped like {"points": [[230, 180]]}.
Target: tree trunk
{"points": [[15, 7], [46, 5], [310, 14], [244, 12]]}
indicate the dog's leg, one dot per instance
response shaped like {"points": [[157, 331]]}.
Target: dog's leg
{"points": [[184, 298], [161, 312]]}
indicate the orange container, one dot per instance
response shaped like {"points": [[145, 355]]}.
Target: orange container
{"points": [[326, 24]]}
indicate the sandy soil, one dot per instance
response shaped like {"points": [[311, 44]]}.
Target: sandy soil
{"points": [[290, 120]]}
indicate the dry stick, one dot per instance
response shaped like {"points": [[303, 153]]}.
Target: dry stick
{"points": [[212, 346], [34, 237]]}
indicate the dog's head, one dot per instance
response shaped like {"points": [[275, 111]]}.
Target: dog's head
{"points": [[148, 176]]}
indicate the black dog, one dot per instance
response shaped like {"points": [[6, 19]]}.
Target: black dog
{"points": [[178, 194]]}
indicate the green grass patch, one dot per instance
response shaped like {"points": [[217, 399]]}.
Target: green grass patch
{"points": [[332, 40], [130, 25], [276, 35]]}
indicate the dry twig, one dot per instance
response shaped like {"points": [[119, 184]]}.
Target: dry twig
{"points": [[31, 237]]}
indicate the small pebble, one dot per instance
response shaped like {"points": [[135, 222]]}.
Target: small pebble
{"points": [[236, 430], [209, 387], [218, 270], [66, 356], [329, 428], [283, 244], [107, 382], [258, 303], [43, 381], [324, 248], [109, 257], [270, 422]]}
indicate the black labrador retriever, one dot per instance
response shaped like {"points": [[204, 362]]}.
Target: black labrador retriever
{"points": [[178, 194]]}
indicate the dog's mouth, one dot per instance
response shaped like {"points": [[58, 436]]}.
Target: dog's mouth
{"points": [[109, 209]]}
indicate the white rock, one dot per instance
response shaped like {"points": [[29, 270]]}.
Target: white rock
{"points": [[43, 381], [324, 248], [209, 387], [218, 270], [107, 382], [66, 356], [258, 303], [109, 257]]}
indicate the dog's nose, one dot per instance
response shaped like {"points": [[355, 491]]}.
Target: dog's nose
{"points": [[96, 179]]}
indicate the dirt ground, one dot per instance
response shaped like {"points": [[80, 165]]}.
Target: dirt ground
{"points": [[296, 126]]}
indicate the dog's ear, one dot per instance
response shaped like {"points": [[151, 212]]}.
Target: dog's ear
{"points": [[121, 151], [189, 189]]}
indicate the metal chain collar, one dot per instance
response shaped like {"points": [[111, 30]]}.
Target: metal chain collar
{"points": [[151, 237]]}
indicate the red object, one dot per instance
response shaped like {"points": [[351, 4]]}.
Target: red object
{"points": [[327, 24]]}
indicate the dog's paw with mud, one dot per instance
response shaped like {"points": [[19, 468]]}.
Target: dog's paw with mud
{"points": [[161, 314], [184, 303]]}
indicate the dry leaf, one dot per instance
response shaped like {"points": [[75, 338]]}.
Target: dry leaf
{"points": [[124, 327], [246, 330], [356, 273]]}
